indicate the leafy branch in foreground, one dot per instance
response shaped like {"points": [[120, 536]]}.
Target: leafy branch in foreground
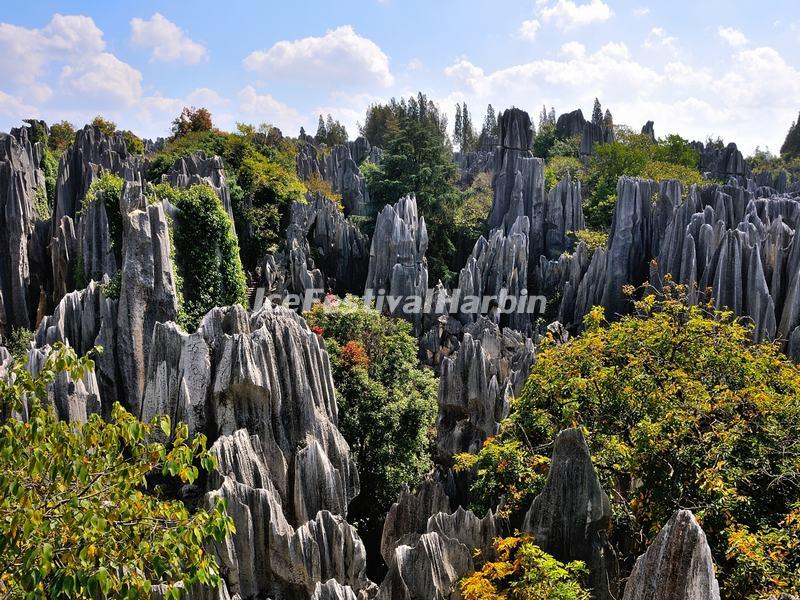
{"points": [[79, 516]]}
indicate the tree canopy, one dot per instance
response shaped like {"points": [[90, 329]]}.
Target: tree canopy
{"points": [[82, 513], [679, 410]]}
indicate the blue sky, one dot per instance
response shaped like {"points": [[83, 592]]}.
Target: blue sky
{"points": [[697, 68]]}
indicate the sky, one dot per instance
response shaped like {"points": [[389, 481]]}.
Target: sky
{"points": [[698, 68]]}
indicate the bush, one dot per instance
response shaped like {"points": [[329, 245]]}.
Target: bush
{"points": [[635, 155], [104, 125], [62, 134], [262, 179], [681, 410], [133, 143], [559, 167], [524, 571], [79, 516], [593, 239]]}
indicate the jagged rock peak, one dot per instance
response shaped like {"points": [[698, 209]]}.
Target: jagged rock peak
{"points": [[677, 564], [569, 517], [516, 130], [570, 124]]}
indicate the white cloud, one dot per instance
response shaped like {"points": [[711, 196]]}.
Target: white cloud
{"points": [[567, 14], [13, 109], [169, 43], [528, 29], [658, 37], [105, 79], [266, 109], [732, 36], [641, 11], [682, 97], [24, 53], [206, 97], [341, 56]]}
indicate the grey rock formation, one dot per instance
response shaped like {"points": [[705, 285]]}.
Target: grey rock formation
{"points": [[628, 243], [593, 134], [722, 163], [477, 384], [569, 517], [427, 569], [85, 319], [497, 269], [147, 295], [198, 169], [318, 228], [570, 124], [563, 214], [677, 564], [397, 262], [21, 179], [649, 131], [410, 514], [92, 153]]}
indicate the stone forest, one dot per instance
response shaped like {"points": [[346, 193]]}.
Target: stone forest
{"points": [[173, 428]]}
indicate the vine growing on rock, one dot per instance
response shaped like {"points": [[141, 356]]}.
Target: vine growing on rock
{"points": [[206, 253]]}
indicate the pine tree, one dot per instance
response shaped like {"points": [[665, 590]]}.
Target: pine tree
{"points": [[551, 116], [543, 117], [322, 132], [597, 113], [490, 122], [467, 131], [791, 145], [608, 120], [457, 128]]}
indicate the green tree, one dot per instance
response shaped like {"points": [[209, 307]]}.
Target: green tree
{"points": [[133, 143], [62, 134], [597, 113], [468, 138], [608, 120], [104, 125], [791, 145], [418, 160], [322, 132], [380, 124], [387, 404], [544, 140], [80, 513], [458, 126], [190, 120], [489, 122], [680, 410]]}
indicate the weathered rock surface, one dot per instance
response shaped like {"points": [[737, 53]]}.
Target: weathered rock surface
{"points": [[147, 294], [570, 124], [318, 228], [648, 130], [569, 517], [199, 169], [397, 264], [21, 179], [677, 564], [410, 514], [428, 569], [518, 185], [477, 384]]}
